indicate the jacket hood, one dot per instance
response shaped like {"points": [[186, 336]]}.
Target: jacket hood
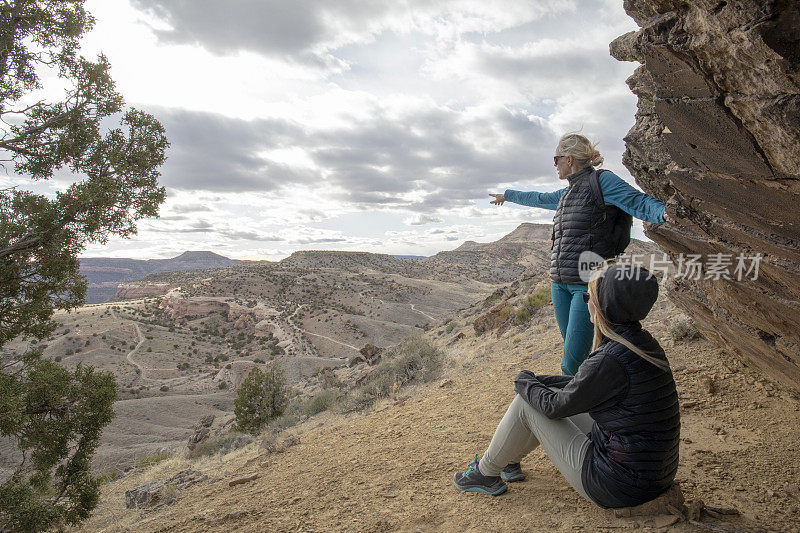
{"points": [[626, 293]]}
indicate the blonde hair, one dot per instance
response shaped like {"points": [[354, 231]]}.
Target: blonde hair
{"points": [[603, 329], [582, 149]]}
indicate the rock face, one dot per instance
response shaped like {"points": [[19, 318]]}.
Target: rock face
{"points": [[179, 306], [128, 291], [159, 493], [717, 136]]}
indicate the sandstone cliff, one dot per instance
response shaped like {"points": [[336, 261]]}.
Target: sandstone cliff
{"points": [[717, 135]]}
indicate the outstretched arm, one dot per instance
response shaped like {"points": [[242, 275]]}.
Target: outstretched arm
{"points": [[618, 192], [545, 200]]}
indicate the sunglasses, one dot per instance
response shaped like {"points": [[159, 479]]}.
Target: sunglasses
{"points": [[586, 297], [556, 158]]}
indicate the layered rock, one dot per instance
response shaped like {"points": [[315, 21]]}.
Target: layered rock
{"points": [[717, 136], [128, 291], [177, 306]]}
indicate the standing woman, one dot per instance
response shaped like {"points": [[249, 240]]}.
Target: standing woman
{"points": [[583, 222]]}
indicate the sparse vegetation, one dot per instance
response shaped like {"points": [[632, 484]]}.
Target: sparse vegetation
{"points": [[224, 443], [151, 460], [261, 398], [321, 402], [682, 329], [416, 360]]}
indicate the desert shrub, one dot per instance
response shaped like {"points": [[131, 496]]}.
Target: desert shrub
{"points": [[227, 442], [494, 298], [222, 385], [539, 298], [164, 388], [261, 398], [523, 314], [506, 311], [451, 325], [57, 359], [321, 402], [106, 477], [416, 360], [682, 329], [151, 460], [532, 302]]}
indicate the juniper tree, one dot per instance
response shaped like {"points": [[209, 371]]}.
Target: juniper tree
{"points": [[262, 397], [110, 155]]}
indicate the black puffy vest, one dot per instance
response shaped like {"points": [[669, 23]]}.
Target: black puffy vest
{"points": [[634, 453], [579, 225]]}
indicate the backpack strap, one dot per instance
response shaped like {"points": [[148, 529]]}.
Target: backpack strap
{"points": [[594, 183]]}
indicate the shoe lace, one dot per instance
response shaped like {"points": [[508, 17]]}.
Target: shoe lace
{"points": [[473, 465]]}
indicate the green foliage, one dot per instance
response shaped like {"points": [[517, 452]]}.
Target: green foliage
{"points": [[321, 402], [493, 299], [261, 398], [151, 460], [539, 298], [531, 303], [163, 388], [55, 416], [523, 314]]}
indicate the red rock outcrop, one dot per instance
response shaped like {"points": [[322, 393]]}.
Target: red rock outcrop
{"points": [[717, 136], [180, 307], [131, 290]]}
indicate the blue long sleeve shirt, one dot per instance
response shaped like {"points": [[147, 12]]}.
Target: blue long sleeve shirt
{"points": [[616, 192]]}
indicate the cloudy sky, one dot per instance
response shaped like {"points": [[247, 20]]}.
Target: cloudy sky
{"points": [[369, 125]]}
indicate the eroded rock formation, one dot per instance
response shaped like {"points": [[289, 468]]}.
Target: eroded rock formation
{"points": [[717, 135]]}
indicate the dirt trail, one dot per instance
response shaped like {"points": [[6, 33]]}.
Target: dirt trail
{"points": [[139, 367], [391, 469]]}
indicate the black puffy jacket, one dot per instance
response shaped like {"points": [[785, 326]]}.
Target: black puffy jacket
{"points": [[579, 225]]}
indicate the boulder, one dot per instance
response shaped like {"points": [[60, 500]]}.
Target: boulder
{"points": [[159, 493], [717, 138], [371, 353], [202, 430]]}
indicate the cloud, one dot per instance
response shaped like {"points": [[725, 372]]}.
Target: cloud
{"points": [[306, 31], [422, 158], [190, 208], [217, 153], [422, 219]]}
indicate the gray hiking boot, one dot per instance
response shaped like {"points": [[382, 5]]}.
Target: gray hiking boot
{"points": [[512, 472], [473, 481]]}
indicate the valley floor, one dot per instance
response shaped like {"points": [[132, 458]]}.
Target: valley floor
{"points": [[391, 469]]}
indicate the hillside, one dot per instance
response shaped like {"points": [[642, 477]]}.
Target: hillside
{"points": [[105, 274], [390, 468], [187, 338]]}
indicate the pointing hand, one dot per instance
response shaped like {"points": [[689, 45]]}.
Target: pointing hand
{"points": [[498, 199]]}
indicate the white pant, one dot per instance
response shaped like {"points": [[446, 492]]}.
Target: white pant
{"points": [[523, 428]]}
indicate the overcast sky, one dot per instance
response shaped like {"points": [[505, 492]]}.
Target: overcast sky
{"points": [[359, 125]]}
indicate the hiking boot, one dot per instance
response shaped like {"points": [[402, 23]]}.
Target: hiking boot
{"points": [[512, 472], [473, 481]]}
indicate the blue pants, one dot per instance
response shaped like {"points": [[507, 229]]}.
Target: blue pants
{"points": [[572, 315]]}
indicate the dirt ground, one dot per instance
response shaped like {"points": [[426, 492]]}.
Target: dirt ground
{"points": [[391, 468]]}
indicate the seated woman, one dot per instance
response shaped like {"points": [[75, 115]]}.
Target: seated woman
{"points": [[612, 430]]}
